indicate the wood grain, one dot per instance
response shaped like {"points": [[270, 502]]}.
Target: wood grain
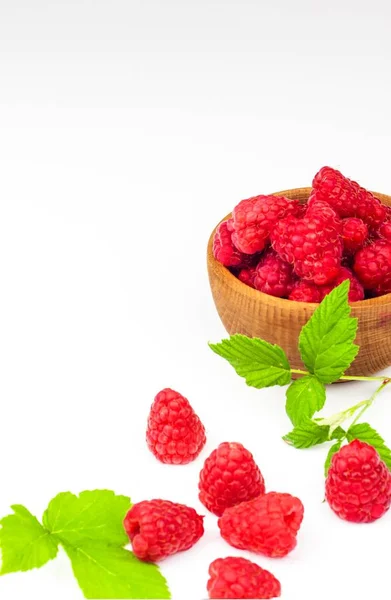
{"points": [[279, 321]]}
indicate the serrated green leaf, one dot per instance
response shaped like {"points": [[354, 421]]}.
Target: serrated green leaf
{"points": [[326, 340], [332, 450], [307, 434], [260, 363], [24, 543], [304, 397], [112, 572], [93, 515], [365, 433]]}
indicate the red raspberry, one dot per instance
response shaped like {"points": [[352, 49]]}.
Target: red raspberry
{"points": [[303, 291], [247, 276], [229, 476], [268, 524], [312, 244], [224, 251], [235, 577], [159, 528], [175, 434], [274, 276], [384, 231], [356, 290], [358, 484], [354, 234], [347, 198], [372, 264], [254, 218]]}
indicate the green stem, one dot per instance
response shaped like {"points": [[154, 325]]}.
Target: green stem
{"points": [[370, 401], [344, 377]]}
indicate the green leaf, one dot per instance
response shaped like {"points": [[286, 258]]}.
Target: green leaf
{"points": [[333, 449], [93, 515], [307, 434], [110, 572], [326, 340], [260, 363], [365, 433], [24, 543], [304, 397]]}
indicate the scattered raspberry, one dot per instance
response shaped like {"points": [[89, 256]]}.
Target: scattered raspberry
{"points": [[175, 434], [354, 234], [303, 291], [356, 290], [159, 528], [358, 484], [223, 249], [254, 218], [235, 577], [247, 276], [268, 524], [229, 476], [372, 264], [384, 231], [347, 198], [274, 276]]}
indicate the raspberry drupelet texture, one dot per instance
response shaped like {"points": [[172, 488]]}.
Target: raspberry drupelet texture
{"points": [[372, 265], [254, 218], [247, 276], [236, 577], [384, 231], [175, 434], [229, 476], [274, 276], [358, 484], [224, 251], [159, 528], [267, 525], [347, 198], [356, 290], [354, 234], [304, 291]]}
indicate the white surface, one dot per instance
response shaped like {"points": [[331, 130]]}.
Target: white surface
{"points": [[128, 128]]}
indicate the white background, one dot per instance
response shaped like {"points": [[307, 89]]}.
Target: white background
{"points": [[128, 129]]}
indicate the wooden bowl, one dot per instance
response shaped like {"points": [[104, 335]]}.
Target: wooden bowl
{"points": [[278, 321]]}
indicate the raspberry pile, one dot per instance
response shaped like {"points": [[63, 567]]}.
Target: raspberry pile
{"points": [[302, 252]]}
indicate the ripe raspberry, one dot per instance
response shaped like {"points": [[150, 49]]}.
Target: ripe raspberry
{"points": [[303, 291], [384, 231], [159, 528], [229, 476], [358, 484], [356, 290], [372, 264], [354, 234], [254, 218], [223, 249], [247, 276], [175, 434], [274, 276], [235, 577], [268, 524], [311, 244], [347, 198]]}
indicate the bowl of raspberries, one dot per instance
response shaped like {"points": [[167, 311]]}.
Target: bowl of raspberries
{"points": [[275, 257]]}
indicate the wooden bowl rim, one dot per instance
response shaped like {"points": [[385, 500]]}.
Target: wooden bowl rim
{"points": [[292, 305]]}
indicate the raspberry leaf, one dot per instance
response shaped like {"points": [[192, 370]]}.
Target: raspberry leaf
{"points": [[365, 433], [304, 397], [333, 449], [260, 363], [24, 543], [326, 340], [307, 434]]}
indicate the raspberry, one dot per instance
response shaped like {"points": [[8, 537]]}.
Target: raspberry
{"points": [[254, 218], [235, 577], [384, 231], [267, 525], [229, 476], [354, 234], [175, 434], [356, 290], [311, 244], [358, 484], [372, 264], [223, 249], [303, 291], [274, 276], [159, 528], [347, 198], [247, 276]]}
